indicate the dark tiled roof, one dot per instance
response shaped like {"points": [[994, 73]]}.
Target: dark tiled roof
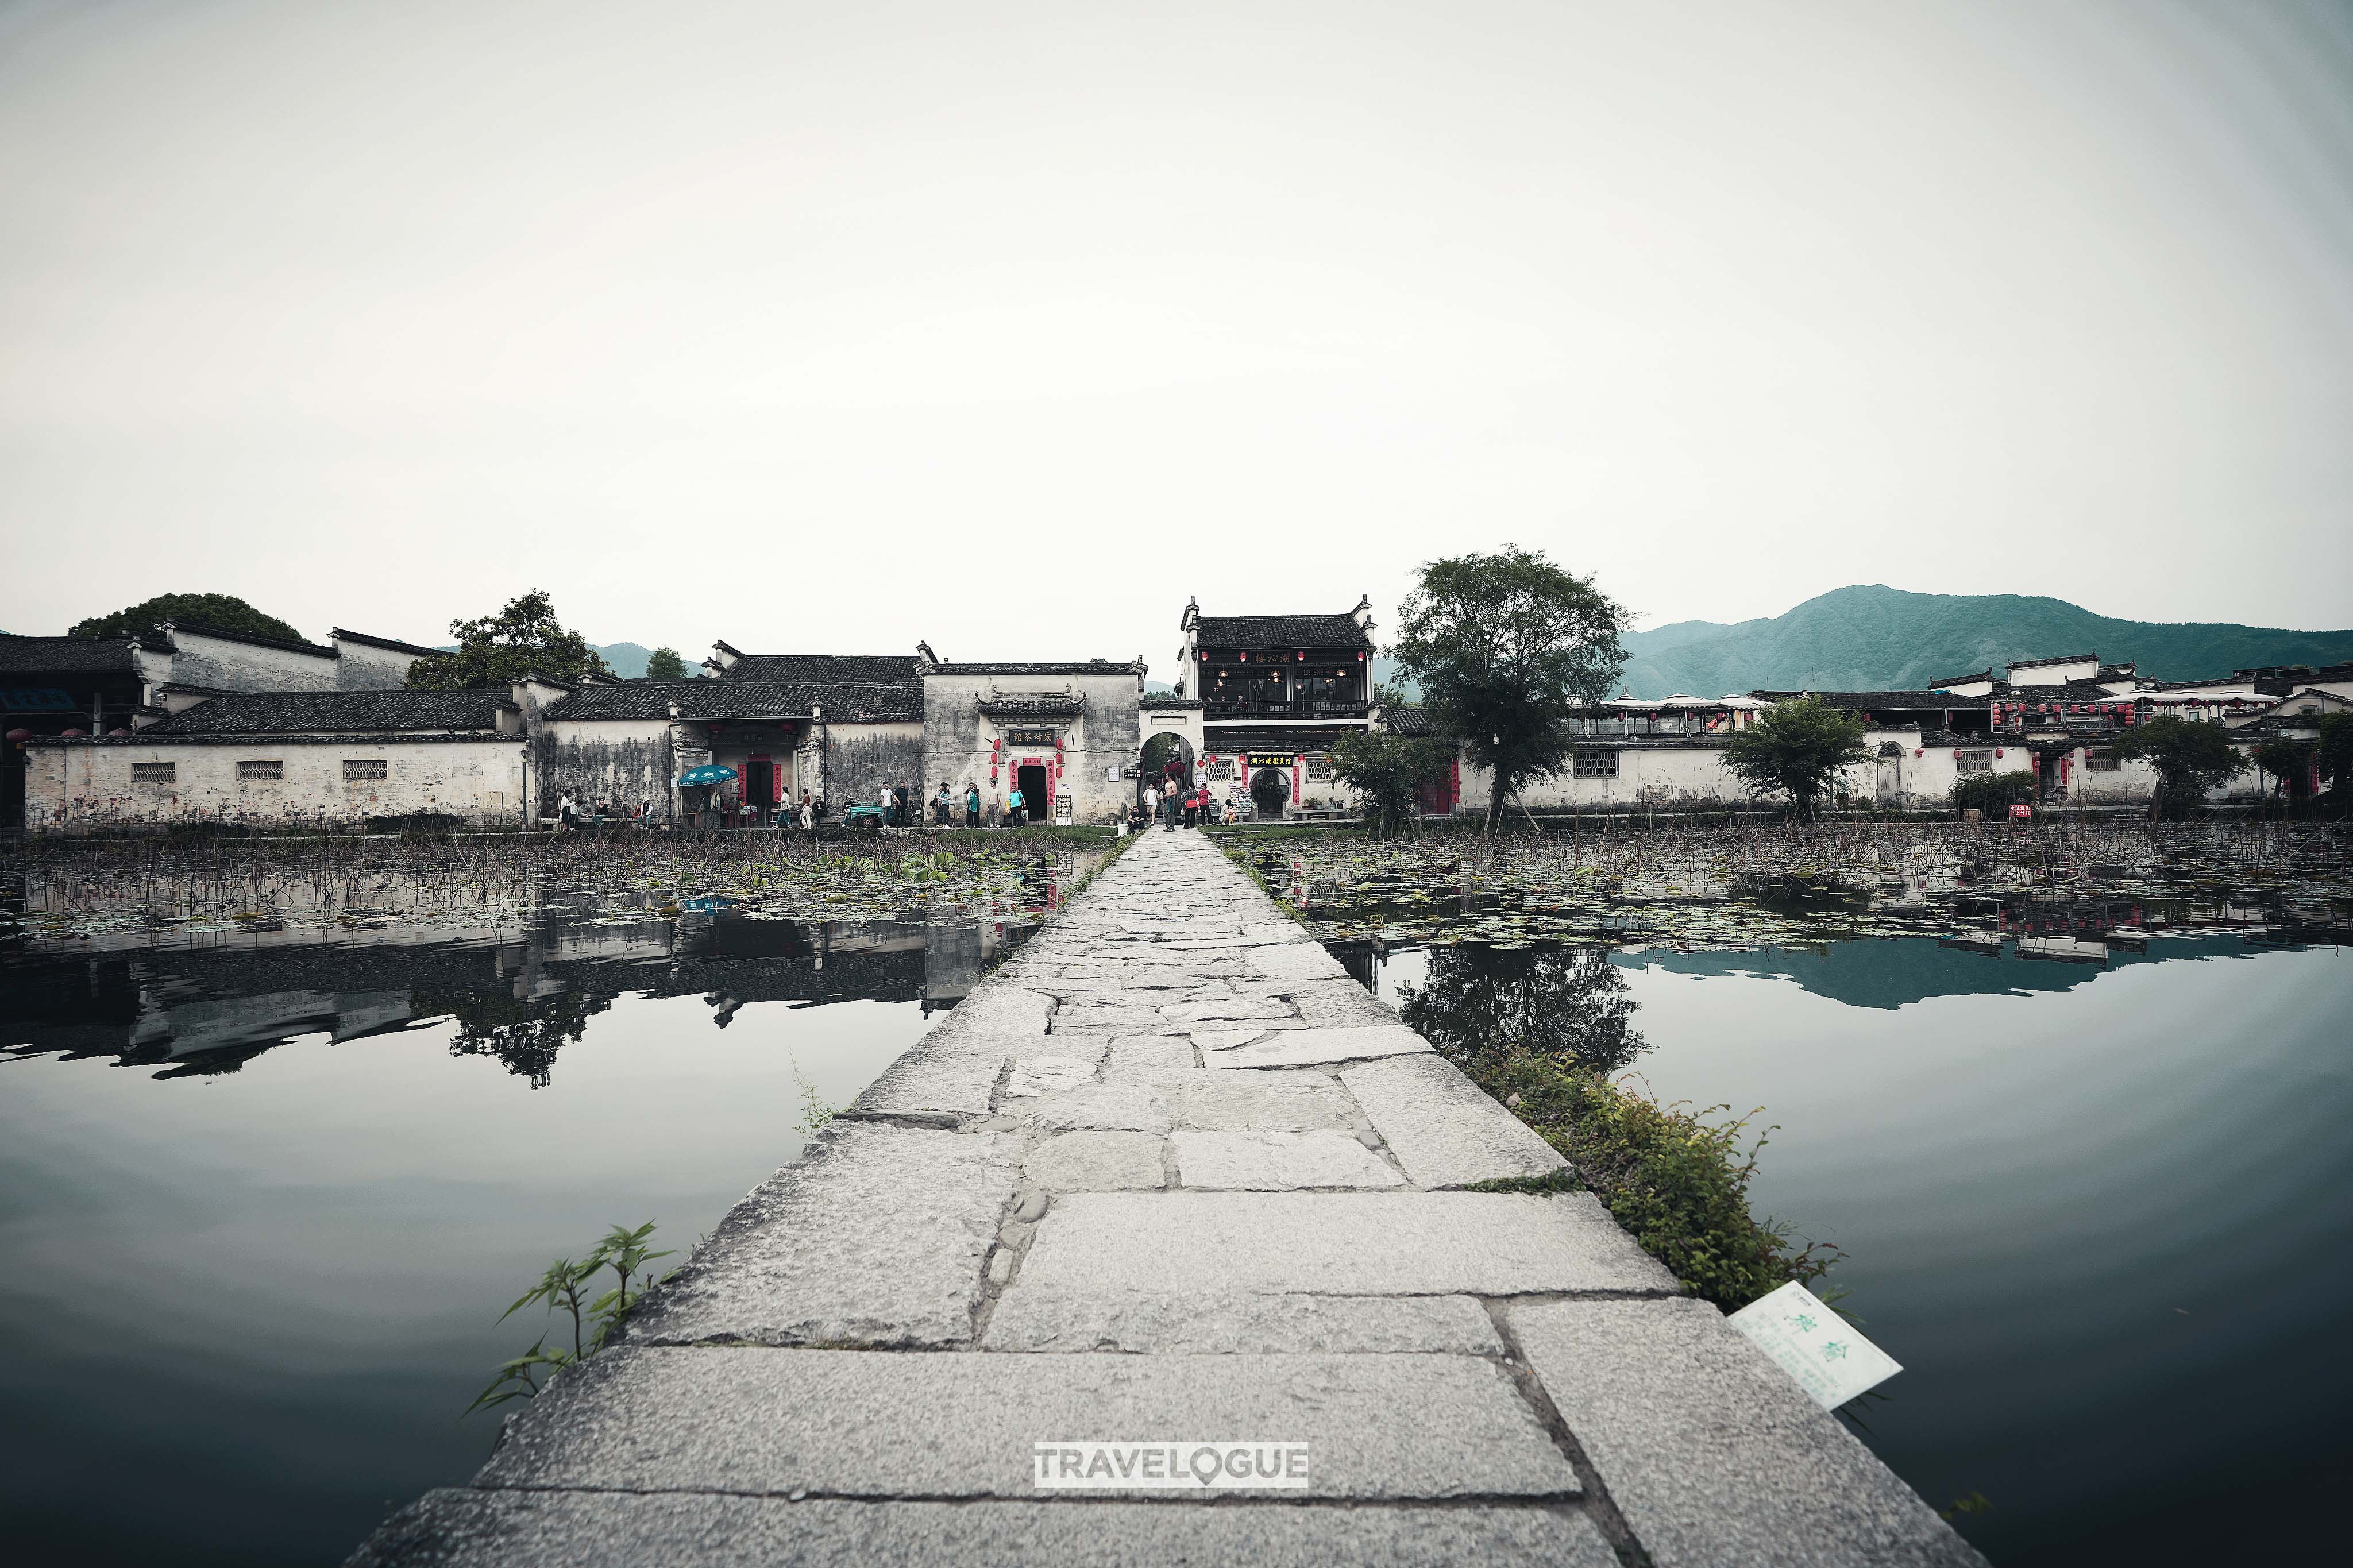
{"points": [[66, 656], [1871, 700], [808, 668], [1287, 632], [341, 712], [344, 634], [844, 701], [197, 628], [1092, 666], [1407, 719]]}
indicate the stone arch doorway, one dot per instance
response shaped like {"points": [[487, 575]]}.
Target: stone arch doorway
{"points": [[1891, 772], [1270, 789], [1164, 751]]}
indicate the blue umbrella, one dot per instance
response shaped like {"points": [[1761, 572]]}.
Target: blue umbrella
{"points": [[708, 774]]}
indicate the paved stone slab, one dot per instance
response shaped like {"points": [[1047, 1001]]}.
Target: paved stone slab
{"points": [[1268, 1101], [1043, 1074], [1713, 1453], [1276, 1161], [1097, 1163], [1148, 1057], [1103, 1107], [961, 1424], [877, 1237], [1443, 1129], [1356, 1243], [1296, 960], [1306, 1048], [1231, 1322], [466, 1528]]}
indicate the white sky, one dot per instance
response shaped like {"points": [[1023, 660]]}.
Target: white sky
{"points": [[832, 327]]}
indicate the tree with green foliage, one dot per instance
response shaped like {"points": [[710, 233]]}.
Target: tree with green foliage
{"points": [[524, 639], [2190, 755], [1796, 749], [1995, 792], [664, 664], [1506, 648], [2289, 762], [1387, 770], [226, 612], [2336, 749]]}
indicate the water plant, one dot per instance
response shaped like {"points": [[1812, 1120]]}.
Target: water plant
{"points": [[565, 1286]]}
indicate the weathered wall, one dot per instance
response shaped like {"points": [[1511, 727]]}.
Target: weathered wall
{"points": [[363, 667], [625, 762], [79, 786], [1098, 743], [201, 661]]}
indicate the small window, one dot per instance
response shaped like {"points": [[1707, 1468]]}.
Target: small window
{"points": [[2100, 760], [363, 768], [257, 770], [1319, 769], [1596, 762], [155, 773]]}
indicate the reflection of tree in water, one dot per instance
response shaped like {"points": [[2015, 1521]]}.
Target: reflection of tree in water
{"points": [[523, 1032], [1569, 1004]]}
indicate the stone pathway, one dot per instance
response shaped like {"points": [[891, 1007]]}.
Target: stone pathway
{"points": [[1170, 1175]]}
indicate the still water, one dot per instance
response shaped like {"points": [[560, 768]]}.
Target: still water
{"points": [[263, 1200], [2103, 1214]]}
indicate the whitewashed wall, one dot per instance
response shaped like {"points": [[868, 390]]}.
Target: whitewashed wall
{"points": [[80, 786]]}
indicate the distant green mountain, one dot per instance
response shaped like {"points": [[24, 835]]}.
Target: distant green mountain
{"points": [[1870, 638]]}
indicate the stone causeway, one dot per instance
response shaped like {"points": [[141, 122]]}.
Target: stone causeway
{"points": [[1169, 1175]]}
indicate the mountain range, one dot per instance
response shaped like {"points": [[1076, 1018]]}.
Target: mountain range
{"points": [[1876, 639]]}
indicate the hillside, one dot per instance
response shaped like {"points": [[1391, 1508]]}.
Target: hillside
{"points": [[1876, 638]]}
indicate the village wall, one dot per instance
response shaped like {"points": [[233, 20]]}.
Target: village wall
{"points": [[625, 762], [363, 667], [80, 786], [229, 665]]}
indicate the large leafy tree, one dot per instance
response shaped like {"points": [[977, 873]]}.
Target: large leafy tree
{"points": [[524, 639], [2191, 756], [664, 664], [226, 611], [1506, 648], [1387, 770], [1796, 749]]}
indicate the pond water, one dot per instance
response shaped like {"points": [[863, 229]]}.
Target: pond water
{"points": [[2101, 1211], [263, 1195]]}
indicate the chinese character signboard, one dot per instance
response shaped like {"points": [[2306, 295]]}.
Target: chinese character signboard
{"points": [[1814, 1345]]}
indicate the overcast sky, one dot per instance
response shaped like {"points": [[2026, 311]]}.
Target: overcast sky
{"points": [[831, 327]]}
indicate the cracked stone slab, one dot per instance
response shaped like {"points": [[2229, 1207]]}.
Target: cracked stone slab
{"points": [[460, 1527], [1297, 961], [1148, 1057], [1040, 1075], [1716, 1454], [1350, 1244], [1269, 1102], [1097, 1163], [1226, 1160], [960, 1424], [1310, 1046], [1443, 1129], [877, 1237], [1101, 1106], [1234, 1323]]}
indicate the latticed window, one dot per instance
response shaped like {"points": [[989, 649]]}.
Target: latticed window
{"points": [[155, 773], [357, 768], [254, 772], [1596, 762]]}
